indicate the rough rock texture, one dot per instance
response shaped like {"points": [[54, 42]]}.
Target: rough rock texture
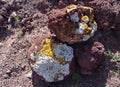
{"points": [[107, 12], [1, 20], [116, 31], [65, 21], [90, 55], [33, 49]]}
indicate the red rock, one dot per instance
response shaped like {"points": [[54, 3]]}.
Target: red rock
{"points": [[62, 25], [34, 49], [90, 55], [106, 12]]}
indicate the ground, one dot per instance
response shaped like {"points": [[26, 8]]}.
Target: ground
{"points": [[17, 35]]}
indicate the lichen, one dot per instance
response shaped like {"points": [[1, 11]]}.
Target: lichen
{"points": [[52, 62], [86, 24], [48, 50], [85, 18], [49, 69], [88, 8], [71, 8]]}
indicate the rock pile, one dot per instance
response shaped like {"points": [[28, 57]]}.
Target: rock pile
{"points": [[52, 59], [73, 23]]}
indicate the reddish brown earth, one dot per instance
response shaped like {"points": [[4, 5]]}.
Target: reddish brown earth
{"points": [[33, 18]]}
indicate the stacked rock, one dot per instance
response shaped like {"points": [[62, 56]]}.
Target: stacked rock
{"points": [[73, 23], [50, 59], [53, 59]]}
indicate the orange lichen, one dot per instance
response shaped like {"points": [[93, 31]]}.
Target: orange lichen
{"points": [[85, 18]]}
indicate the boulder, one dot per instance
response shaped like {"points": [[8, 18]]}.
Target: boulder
{"points": [[73, 23], [50, 59], [90, 55]]}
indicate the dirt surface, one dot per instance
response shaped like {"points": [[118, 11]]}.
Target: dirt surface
{"points": [[18, 33]]}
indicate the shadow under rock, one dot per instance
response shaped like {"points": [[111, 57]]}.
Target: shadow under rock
{"points": [[98, 79], [37, 82], [4, 33]]}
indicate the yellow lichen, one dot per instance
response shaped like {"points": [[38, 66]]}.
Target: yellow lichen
{"points": [[95, 23], [85, 26], [48, 51], [91, 18], [85, 18], [89, 28], [88, 8], [65, 22], [71, 8], [36, 47]]}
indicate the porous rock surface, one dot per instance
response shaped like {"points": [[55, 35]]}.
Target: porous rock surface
{"points": [[71, 24], [90, 56], [107, 12], [51, 67]]}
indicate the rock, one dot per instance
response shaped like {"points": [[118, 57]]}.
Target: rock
{"points": [[1, 19], [4, 1], [13, 14], [51, 60], [73, 23], [116, 31], [1, 45], [29, 75], [42, 6], [106, 12], [72, 1], [90, 56], [6, 76], [8, 72]]}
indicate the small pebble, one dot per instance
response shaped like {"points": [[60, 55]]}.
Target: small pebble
{"points": [[29, 75], [13, 14], [6, 76], [8, 72], [0, 44]]}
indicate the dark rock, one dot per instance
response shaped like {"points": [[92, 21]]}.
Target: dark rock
{"points": [[6, 76], [8, 71], [90, 55], [106, 12], [36, 47], [1, 19]]}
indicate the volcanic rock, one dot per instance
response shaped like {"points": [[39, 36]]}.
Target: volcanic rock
{"points": [[90, 56], [107, 12], [50, 59], [73, 23]]}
